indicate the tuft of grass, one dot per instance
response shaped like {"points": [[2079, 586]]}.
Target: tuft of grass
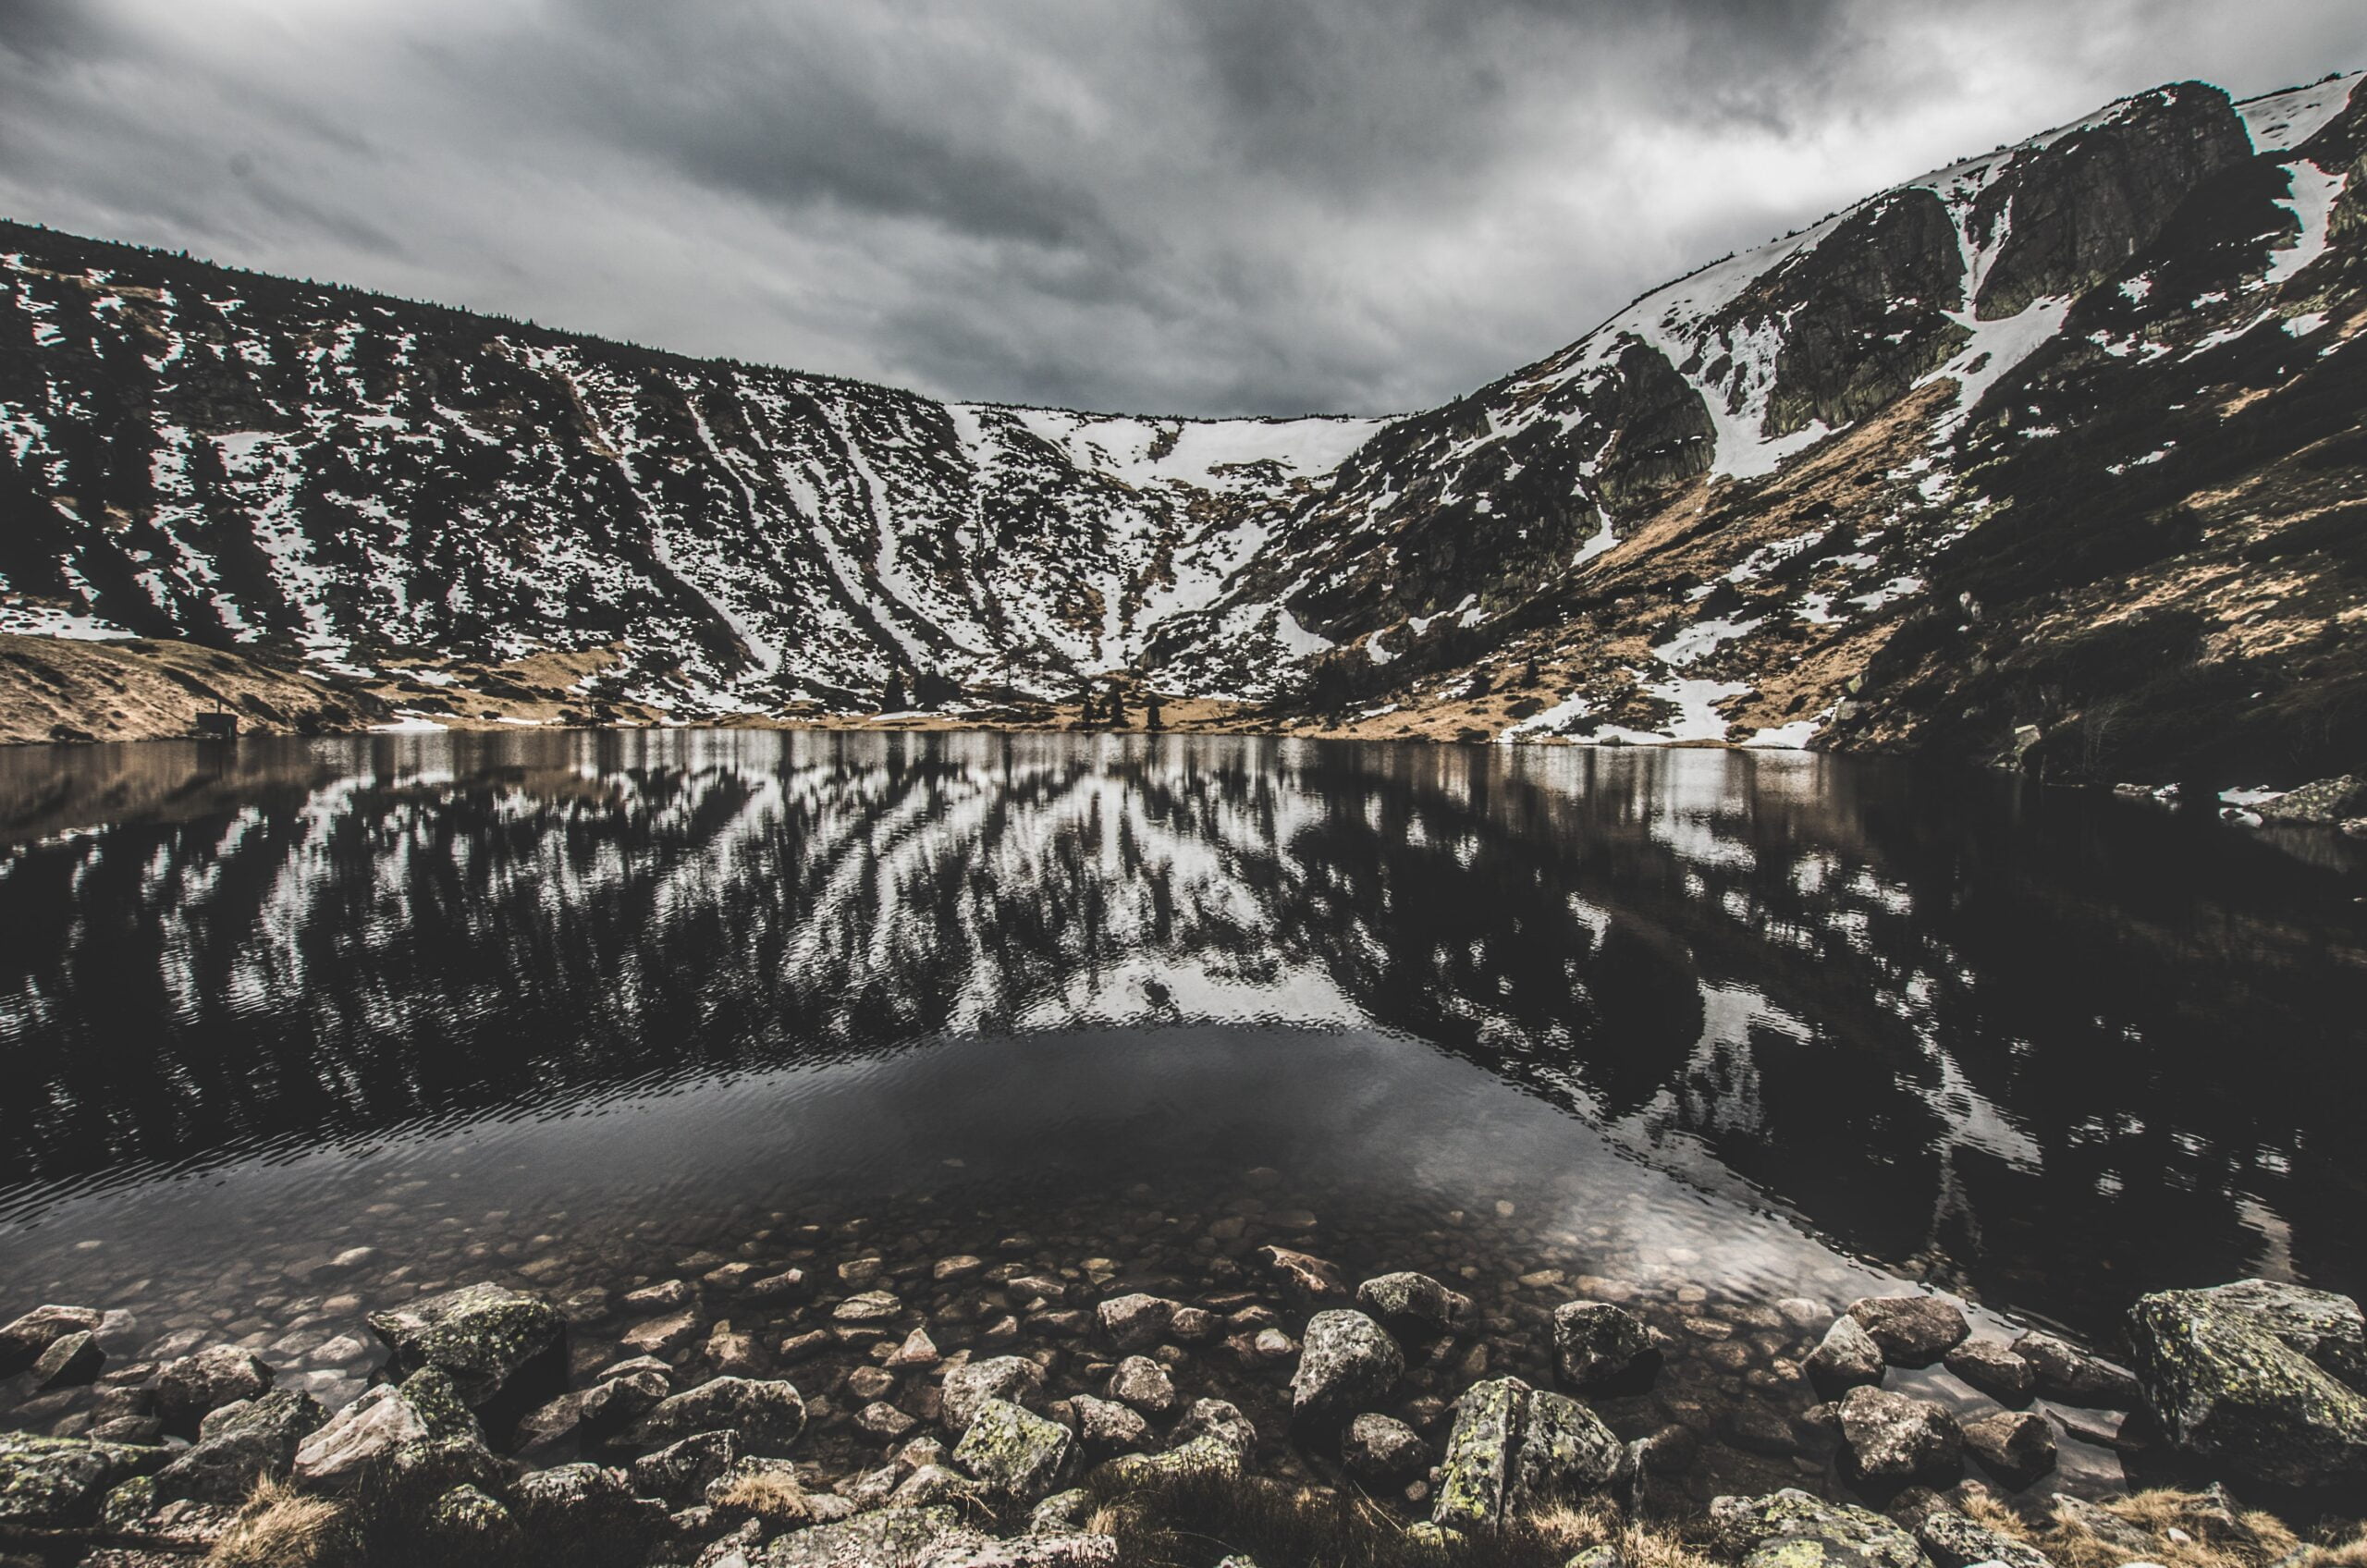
{"points": [[768, 1494], [2188, 1530], [278, 1528]]}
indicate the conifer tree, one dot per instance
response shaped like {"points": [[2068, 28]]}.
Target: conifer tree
{"points": [[895, 700], [1116, 712]]}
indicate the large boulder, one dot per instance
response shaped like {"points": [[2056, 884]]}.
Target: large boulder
{"points": [[2324, 804], [768, 1416], [1012, 1378], [394, 1429], [23, 1339], [1792, 1529], [241, 1444], [1956, 1541], [1597, 1345], [1515, 1449], [192, 1387], [1013, 1453], [1912, 1331], [2258, 1377], [1893, 1437], [1347, 1363], [1414, 1304], [70, 1361], [572, 1503], [886, 1538], [491, 1340]]}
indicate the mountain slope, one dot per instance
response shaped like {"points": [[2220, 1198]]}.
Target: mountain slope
{"points": [[2051, 454]]}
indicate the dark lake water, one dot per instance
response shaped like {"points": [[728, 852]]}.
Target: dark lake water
{"points": [[1708, 1032]]}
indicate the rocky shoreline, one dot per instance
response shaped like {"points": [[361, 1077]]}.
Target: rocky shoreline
{"points": [[960, 1411]]}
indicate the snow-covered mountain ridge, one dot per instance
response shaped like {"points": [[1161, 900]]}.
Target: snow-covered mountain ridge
{"points": [[2030, 456]]}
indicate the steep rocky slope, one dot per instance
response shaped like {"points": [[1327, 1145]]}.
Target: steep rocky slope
{"points": [[2053, 454]]}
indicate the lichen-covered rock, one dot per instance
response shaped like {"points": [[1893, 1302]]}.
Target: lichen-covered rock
{"points": [[1347, 1363], [1846, 1358], [2017, 1446], [886, 1538], [53, 1483], [1012, 1451], [578, 1501], [614, 1403], [188, 1389], [1383, 1449], [241, 1444], [1598, 1345], [1995, 1369], [1003, 1376], [681, 1472], [394, 1429], [1076, 1550], [768, 1416], [2226, 1375], [1893, 1437], [1792, 1529], [1515, 1449], [489, 1339], [2064, 1372], [2327, 802], [1062, 1514], [1213, 1438], [1954, 1542], [1414, 1304], [23, 1339], [1135, 1322], [472, 1524], [1912, 1331], [1143, 1383]]}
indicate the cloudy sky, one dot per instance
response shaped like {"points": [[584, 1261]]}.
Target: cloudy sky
{"points": [[1188, 207]]}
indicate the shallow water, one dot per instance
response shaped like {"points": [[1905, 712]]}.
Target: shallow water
{"points": [[1704, 1031]]}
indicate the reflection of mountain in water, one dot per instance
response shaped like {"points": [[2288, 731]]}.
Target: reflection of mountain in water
{"points": [[1977, 1031]]}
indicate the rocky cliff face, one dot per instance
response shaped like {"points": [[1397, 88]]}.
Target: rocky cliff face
{"points": [[2053, 454]]}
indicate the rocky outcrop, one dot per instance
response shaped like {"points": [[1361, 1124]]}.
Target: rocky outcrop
{"points": [[2261, 1377], [391, 1430], [62, 1483], [1793, 1529], [241, 1444], [2322, 803]]}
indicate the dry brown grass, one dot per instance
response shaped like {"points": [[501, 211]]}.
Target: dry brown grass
{"points": [[2185, 1529], [768, 1494], [278, 1528]]}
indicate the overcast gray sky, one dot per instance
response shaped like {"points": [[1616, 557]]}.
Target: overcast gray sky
{"points": [[1185, 206]]}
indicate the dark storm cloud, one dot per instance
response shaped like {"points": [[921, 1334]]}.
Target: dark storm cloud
{"points": [[1187, 205]]}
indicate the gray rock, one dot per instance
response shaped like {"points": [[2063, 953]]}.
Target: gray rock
{"points": [[23, 1339], [70, 1361], [1144, 1384], [1598, 1345], [1384, 1450], [1846, 1358], [55, 1483], [1003, 1376], [1075, 1550], [1954, 1542], [582, 1500], [1135, 1322], [1515, 1450], [472, 1524], [1893, 1437], [1062, 1514], [2079, 1514], [766, 1415], [681, 1473], [1213, 1438], [1995, 1369], [1306, 1281], [614, 1403], [1912, 1331], [1106, 1427], [663, 1336], [2064, 1372], [2257, 1376], [1414, 1304], [1013, 1453], [2015, 1446], [391, 1430], [1792, 1529], [489, 1339], [241, 1444], [189, 1388], [1346, 1364], [886, 1538], [934, 1483]]}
